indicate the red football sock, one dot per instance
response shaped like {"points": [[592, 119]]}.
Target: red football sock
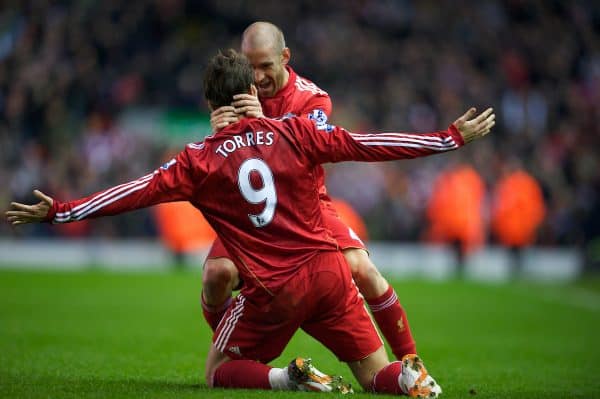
{"points": [[386, 380], [214, 314], [242, 374], [392, 322]]}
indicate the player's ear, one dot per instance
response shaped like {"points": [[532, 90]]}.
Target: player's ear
{"points": [[209, 105], [253, 90], [285, 55]]}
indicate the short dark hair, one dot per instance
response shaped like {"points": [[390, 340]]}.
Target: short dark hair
{"points": [[226, 74]]}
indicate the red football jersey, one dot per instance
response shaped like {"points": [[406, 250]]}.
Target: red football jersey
{"points": [[254, 182], [301, 97]]}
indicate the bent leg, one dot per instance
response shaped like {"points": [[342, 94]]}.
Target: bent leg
{"points": [[300, 375], [383, 302], [250, 330], [223, 372], [219, 277]]}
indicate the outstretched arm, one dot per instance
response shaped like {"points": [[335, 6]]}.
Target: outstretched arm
{"points": [[326, 143], [170, 182]]}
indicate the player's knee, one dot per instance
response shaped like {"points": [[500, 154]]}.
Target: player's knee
{"points": [[218, 271], [363, 270], [365, 274]]}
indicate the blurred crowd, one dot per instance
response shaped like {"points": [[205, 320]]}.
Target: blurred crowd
{"points": [[69, 70]]}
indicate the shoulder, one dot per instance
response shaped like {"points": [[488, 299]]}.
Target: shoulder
{"points": [[305, 86], [194, 150], [197, 150], [298, 126], [192, 147]]}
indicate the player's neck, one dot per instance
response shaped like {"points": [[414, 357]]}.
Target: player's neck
{"points": [[284, 82], [286, 77]]}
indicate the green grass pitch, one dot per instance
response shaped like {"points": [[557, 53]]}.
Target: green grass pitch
{"points": [[141, 335]]}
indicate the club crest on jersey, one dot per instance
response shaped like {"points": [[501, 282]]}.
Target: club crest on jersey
{"points": [[167, 165], [320, 119]]}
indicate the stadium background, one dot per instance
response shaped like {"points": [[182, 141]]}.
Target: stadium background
{"points": [[93, 93], [96, 93]]}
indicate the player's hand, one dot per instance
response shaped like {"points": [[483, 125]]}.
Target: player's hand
{"points": [[247, 104], [21, 213], [471, 127], [222, 117]]}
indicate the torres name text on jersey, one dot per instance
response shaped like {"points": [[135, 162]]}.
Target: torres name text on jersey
{"points": [[255, 183]]}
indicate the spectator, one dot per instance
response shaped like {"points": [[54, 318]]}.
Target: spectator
{"points": [[455, 210], [518, 210]]}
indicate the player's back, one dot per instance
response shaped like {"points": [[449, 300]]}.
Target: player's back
{"points": [[259, 193]]}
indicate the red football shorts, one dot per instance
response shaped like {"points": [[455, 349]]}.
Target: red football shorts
{"points": [[321, 299], [344, 235]]}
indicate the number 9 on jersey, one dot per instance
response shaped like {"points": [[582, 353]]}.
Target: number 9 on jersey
{"points": [[266, 194]]}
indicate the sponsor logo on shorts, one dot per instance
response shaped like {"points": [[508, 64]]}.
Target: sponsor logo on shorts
{"points": [[236, 350]]}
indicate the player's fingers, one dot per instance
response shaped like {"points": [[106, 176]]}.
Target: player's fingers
{"points": [[18, 222], [485, 124], [222, 110], [246, 108], [490, 118], [246, 102], [485, 128], [18, 214], [224, 114], [14, 219], [470, 112], [22, 207], [221, 125], [254, 114], [484, 115], [223, 121], [482, 125], [243, 110], [490, 125], [43, 197], [230, 117], [241, 103], [245, 96]]}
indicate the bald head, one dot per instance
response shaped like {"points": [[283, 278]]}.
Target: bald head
{"points": [[263, 35], [264, 46]]}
